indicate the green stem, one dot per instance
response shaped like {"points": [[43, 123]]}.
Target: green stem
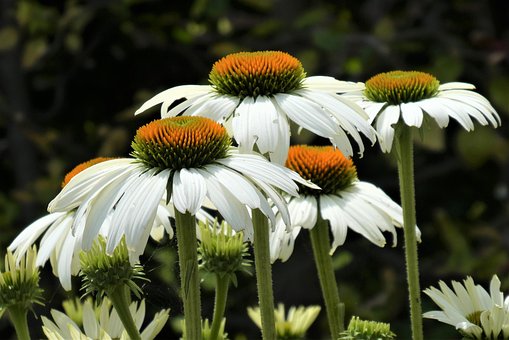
{"points": [[320, 242], [18, 316], [222, 284], [406, 186], [264, 274], [120, 297], [189, 279]]}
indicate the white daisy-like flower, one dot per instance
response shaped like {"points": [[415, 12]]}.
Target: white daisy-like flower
{"points": [[258, 93], [185, 159], [343, 201], [474, 312], [61, 245], [411, 97], [105, 325]]}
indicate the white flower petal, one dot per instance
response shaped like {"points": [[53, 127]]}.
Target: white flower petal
{"points": [[412, 114], [87, 181], [384, 126], [303, 211], [51, 238], [174, 93], [189, 190], [330, 84], [238, 185], [331, 212], [433, 109], [31, 233], [455, 86], [255, 122], [307, 114], [136, 211], [234, 212]]}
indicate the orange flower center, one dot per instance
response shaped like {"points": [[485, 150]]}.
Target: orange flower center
{"points": [[398, 87], [252, 74], [325, 166], [180, 142], [80, 167]]}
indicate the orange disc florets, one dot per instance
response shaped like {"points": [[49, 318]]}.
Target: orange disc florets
{"points": [[80, 167], [398, 87], [325, 166], [180, 142], [250, 74]]}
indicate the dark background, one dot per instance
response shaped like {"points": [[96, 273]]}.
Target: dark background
{"points": [[73, 72]]}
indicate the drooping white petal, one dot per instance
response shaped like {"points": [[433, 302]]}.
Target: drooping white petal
{"points": [[179, 108], [459, 115], [303, 211], [255, 122], [50, 239], [174, 93], [87, 181], [307, 114], [330, 211], [135, 212], [433, 109], [475, 100], [103, 202], [282, 242], [65, 260], [238, 185], [280, 154], [234, 212], [217, 107], [384, 126], [31, 233], [189, 190], [255, 166], [412, 114]]}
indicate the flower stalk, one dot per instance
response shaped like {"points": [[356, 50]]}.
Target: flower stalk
{"points": [[18, 316], [404, 145], [120, 297], [264, 274], [320, 243], [222, 284], [189, 279]]}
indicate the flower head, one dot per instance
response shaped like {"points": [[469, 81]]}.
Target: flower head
{"points": [[19, 282], [474, 312], [222, 251], [294, 325], [102, 324], [102, 273], [411, 98], [344, 201], [259, 93], [181, 160]]}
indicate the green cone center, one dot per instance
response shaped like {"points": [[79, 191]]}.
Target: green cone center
{"points": [[252, 74], [398, 87], [325, 166], [180, 142]]}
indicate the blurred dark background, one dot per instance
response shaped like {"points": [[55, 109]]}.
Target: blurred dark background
{"points": [[73, 72]]}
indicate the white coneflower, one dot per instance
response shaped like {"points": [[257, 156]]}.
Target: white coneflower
{"points": [[474, 312], [411, 97], [258, 93]]}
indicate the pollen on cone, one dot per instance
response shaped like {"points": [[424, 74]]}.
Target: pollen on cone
{"points": [[180, 142], [398, 87], [325, 166], [257, 73]]}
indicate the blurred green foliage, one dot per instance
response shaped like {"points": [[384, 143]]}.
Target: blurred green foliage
{"points": [[72, 73]]}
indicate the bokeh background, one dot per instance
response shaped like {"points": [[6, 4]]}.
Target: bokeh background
{"points": [[73, 72]]}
